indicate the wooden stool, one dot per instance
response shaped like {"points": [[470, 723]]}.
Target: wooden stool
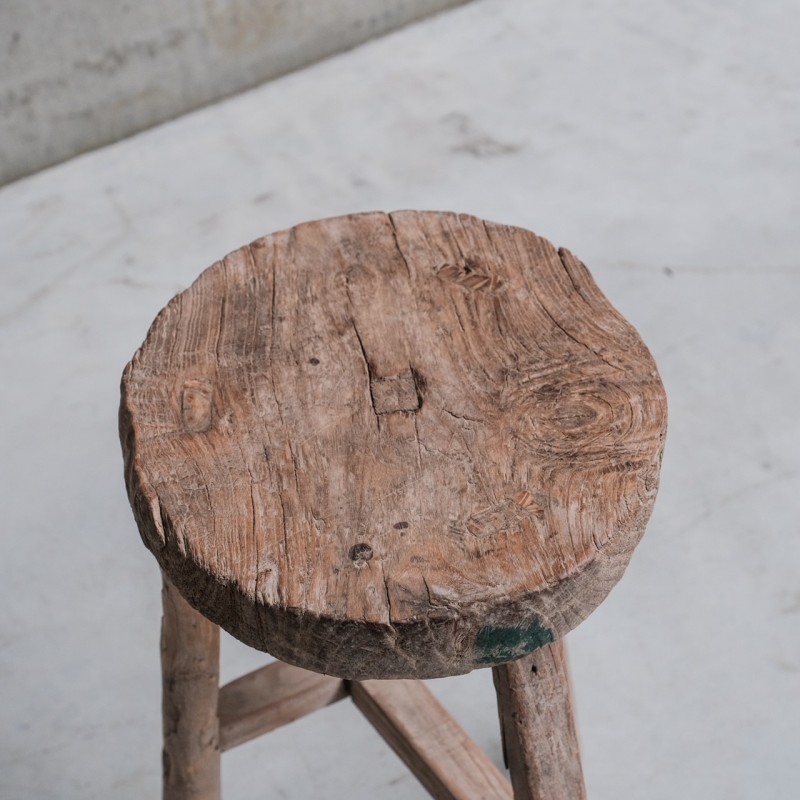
{"points": [[388, 446]]}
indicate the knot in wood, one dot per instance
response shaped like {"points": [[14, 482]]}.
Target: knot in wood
{"points": [[361, 552]]}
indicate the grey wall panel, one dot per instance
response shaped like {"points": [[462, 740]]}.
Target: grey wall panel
{"points": [[78, 74]]}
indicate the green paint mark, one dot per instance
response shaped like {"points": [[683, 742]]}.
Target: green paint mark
{"points": [[498, 645]]}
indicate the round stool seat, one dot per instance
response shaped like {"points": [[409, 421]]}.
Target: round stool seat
{"points": [[402, 445]]}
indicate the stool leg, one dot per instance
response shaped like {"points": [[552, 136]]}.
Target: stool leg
{"points": [[190, 675], [540, 741]]}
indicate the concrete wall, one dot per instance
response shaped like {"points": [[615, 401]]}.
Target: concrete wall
{"points": [[78, 74]]}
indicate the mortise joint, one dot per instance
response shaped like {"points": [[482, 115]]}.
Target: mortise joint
{"points": [[397, 392]]}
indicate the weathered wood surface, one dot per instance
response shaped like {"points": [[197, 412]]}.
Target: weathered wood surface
{"points": [[432, 744], [190, 675], [395, 445], [540, 740], [267, 698]]}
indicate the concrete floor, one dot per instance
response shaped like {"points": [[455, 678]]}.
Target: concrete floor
{"points": [[659, 142]]}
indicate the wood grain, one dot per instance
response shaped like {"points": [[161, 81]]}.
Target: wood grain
{"points": [[431, 743], [270, 697], [190, 675], [540, 740], [395, 445]]}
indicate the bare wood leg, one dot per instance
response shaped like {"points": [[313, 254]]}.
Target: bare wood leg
{"points": [[190, 675], [539, 737]]}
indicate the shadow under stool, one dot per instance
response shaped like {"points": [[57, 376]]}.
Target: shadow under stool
{"points": [[384, 447]]}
